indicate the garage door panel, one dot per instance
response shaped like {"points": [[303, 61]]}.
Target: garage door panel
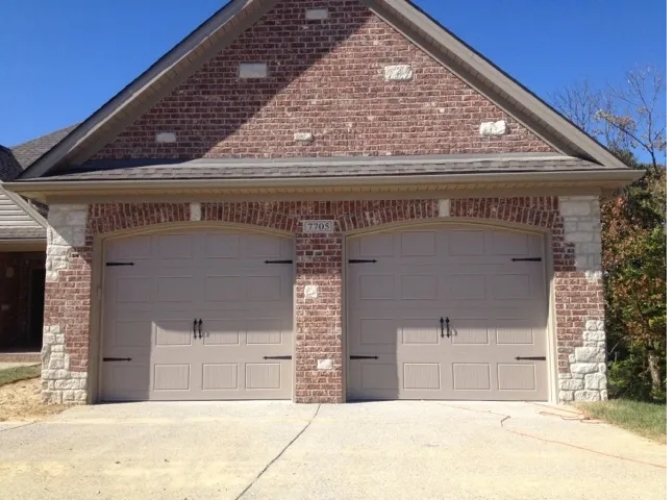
{"points": [[176, 246], [219, 277], [471, 376], [419, 287], [421, 376], [130, 334], [496, 309], [121, 381], [517, 377], [470, 331], [377, 245], [420, 331], [222, 246], [418, 244], [466, 243], [175, 288], [133, 289], [516, 331], [171, 377], [136, 248], [220, 376], [169, 333], [262, 376]]}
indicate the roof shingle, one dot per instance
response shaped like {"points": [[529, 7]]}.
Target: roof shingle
{"points": [[358, 166], [28, 152]]}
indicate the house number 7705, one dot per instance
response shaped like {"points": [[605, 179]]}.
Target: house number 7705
{"points": [[319, 226]]}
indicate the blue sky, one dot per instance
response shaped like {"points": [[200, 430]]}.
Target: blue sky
{"points": [[62, 59]]}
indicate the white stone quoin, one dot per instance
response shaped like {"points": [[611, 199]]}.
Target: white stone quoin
{"points": [[67, 230], [400, 72], [587, 380], [487, 129]]}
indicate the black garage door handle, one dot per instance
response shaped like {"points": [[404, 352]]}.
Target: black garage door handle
{"points": [[116, 359]]}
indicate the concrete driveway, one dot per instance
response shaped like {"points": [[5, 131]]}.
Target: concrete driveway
{"points": [[263, 450]]}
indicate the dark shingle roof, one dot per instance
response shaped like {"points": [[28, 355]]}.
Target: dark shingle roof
{"points": [[9, 167], [30, 151], [358, 166]]}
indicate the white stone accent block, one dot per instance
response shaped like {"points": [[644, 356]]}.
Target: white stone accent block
{"points": [[195, 212], [253, 70], [444, 208], [310, 291], [325, 364], [317, 14], [589, 355], [491, 129], [596, 381], [165, 137], [67, 229], [581, 224], [571, 384], [583, 368], [399, 72], [565, 396], [304, 137], [587, 396]]}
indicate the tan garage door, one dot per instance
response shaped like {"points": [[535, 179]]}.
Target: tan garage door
{"points": [[447, 312], [156, 290]]}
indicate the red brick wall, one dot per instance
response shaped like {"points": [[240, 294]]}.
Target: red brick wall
{"points": [[318, 326], [327, 79]]}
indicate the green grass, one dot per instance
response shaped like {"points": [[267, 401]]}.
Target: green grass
{"points": [[645, 419], [18, 373]]}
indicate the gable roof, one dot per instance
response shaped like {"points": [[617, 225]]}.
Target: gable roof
{"points": [[229, 22], [28, 152]]}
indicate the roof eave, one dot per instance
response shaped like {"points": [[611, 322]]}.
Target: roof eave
{"points": [[596, 180]]}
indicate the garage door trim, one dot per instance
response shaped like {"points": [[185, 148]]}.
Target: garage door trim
{"points": [[548, 265], [98, 267]]}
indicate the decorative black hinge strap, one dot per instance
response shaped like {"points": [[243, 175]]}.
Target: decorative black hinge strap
{"points": [[277, 357], [531, 358], [362, 261], [528, 259], [118, 264], [278, 262], [364, 357], [116, 359]]}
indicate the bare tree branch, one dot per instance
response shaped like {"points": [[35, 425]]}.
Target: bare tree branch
{"points": [[625, 117]]}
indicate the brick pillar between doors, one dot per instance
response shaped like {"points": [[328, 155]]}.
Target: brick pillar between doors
{"points": [[319, 318]]}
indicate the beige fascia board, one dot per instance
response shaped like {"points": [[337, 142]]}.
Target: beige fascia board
{"points": [[499, 80], [606, 179]]}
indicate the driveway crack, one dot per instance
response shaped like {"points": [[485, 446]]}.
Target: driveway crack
{"points": [[282, 452]]}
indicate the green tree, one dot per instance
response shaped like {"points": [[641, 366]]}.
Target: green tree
{"points": [[630, 120], [634, 261]]}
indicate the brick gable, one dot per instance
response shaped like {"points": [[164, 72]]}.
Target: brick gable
{"points": [[325, 78]]}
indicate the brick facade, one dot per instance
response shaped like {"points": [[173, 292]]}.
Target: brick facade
{"points": [[349, 85], [326, 78], [318, 329]]}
